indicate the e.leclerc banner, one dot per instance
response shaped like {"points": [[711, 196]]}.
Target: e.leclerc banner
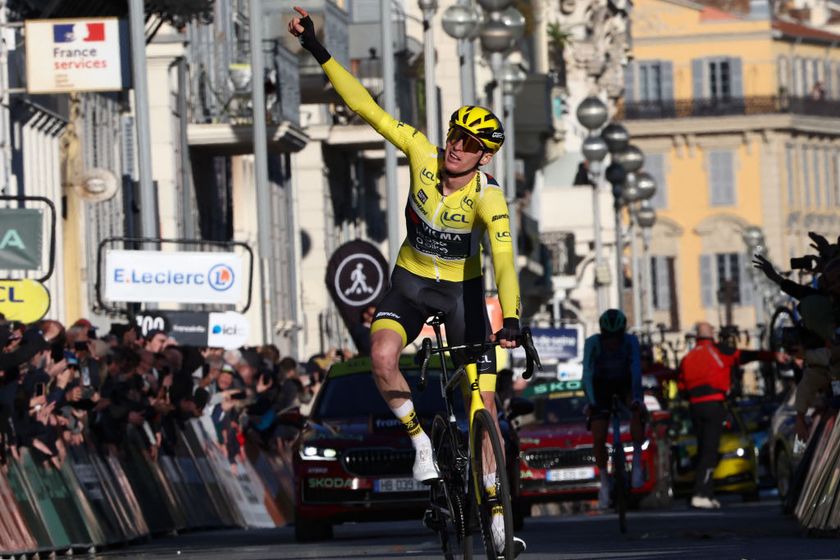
{"points": [[74, 55], [173, 276]]}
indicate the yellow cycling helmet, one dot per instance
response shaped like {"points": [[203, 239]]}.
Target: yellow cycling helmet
{"points": [[482, 124]]}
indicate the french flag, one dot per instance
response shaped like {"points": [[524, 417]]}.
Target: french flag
{"points": [[67, 32]]}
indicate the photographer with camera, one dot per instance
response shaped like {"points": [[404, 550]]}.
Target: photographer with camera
{"points": [[819, 307]]}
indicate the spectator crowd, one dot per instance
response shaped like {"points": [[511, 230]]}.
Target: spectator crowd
{"points": [[62, 386]]}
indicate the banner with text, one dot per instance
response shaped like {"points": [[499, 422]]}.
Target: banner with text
{"points": [[66, 55], [176, 276]]}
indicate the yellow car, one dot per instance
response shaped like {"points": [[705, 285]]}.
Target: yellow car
{"points": [[736, 471]]}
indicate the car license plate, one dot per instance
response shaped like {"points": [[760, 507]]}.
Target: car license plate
{"points": [[561, 475], [398, 485]]}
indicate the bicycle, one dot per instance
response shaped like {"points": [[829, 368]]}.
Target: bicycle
{"points": [[621, 490], [461, 497]]}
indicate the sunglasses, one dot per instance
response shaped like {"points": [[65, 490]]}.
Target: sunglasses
{"points": [[469, 143]]}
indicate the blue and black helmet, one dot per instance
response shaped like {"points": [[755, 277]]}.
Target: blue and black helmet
{"points": [[613, 321]]}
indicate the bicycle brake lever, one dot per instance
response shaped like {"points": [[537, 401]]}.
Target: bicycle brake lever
{"points": [[532, 358], [425, 355]]}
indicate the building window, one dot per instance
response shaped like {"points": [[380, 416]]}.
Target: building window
{"points": [[650, 81], [721, 178], [723, 276], [661, 274], [655, 165], [836, 160], [720, 80]]}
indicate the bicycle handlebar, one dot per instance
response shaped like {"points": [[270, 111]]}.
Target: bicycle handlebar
{"points": [[532, 358]]}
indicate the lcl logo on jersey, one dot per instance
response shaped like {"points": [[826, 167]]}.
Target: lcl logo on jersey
{"points": [[503, 236], [454, 218], [427, 177]]}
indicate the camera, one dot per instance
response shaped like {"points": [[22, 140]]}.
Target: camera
{"points": [[80, 346], [808, 263]]}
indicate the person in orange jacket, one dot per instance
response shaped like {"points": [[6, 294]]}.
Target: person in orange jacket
{"points": [[705, 378]]}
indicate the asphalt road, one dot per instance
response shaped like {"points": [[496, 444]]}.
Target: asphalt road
{"points": [[738, 531]]}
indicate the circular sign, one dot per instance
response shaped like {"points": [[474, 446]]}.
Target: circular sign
{"points": [[26, 301], [220, 277], [359, 279]]}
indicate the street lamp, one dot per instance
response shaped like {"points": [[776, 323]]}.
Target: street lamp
{"points": [[512, 79], [617, 138], [429, 7], [754, 240], [460, 21], [592, 114], [646, 217], [498, 35]]}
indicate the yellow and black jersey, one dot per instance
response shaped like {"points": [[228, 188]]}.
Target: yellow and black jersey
{"points": [[444, 233]]}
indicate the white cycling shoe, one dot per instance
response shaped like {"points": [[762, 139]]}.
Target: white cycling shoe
{"points": [[498, 528], [702, 502], [425, 469]]}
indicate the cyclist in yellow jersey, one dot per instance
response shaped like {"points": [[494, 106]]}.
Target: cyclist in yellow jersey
{"points": [[451, 205]]}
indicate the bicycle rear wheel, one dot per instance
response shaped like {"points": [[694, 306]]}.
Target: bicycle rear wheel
{"points": [[620, 494], [496, 499], [448, 513]]}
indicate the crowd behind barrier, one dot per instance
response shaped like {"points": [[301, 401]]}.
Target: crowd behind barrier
{"points": [[118, 438], [814, 345]]}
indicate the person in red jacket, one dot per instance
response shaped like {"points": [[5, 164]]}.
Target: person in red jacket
{"points": [[705, 377]]}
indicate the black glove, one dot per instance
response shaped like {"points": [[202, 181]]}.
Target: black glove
{"points": [[509, 330], [310, 42]]}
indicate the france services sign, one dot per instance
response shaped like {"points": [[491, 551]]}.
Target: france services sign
{"points": [[20, 238], [65, 55]]}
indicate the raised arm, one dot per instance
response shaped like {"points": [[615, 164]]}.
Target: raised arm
{"points": [[352, 92]]}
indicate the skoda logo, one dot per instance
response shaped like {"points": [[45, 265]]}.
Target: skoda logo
{"points": [[220, 277], [359, 279]]}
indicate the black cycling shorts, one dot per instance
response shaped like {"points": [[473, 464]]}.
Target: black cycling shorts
{"points": [[604, 391], [412, 299]]}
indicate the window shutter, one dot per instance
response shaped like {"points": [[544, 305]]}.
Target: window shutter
{"points": [[707, 281], [745, 280], [736, 77], [629, 85], [791, 186], [806, 176], [655, 165], [817, 178], [697, 81], [663, 286], [722, 177], [827, 176], [667, 86]]}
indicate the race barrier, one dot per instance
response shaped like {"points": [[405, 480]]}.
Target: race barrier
{"points": [[112, 495], [818, 505]]}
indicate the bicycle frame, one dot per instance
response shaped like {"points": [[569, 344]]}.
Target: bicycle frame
{"points": [[466, 377]]}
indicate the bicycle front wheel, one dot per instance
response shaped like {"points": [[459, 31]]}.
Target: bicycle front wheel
{"points": [[492, 500], [448, 500]]}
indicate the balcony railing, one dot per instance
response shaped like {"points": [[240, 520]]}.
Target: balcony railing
{"points": [[717, 107]]}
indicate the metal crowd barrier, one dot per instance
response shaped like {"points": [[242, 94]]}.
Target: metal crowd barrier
{"points": [[817, 481], [102, 498]]}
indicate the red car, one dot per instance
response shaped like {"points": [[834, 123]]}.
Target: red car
{"points": [[556, 458], [353, 459]]}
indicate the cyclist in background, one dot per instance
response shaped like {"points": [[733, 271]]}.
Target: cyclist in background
{"points": [[612, 366], [451, 206]]}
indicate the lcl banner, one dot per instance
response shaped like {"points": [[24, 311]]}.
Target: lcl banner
{"points": [[357, 278], [173, 276]]}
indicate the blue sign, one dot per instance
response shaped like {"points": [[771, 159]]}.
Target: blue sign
{"points": [[560, 343]]}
